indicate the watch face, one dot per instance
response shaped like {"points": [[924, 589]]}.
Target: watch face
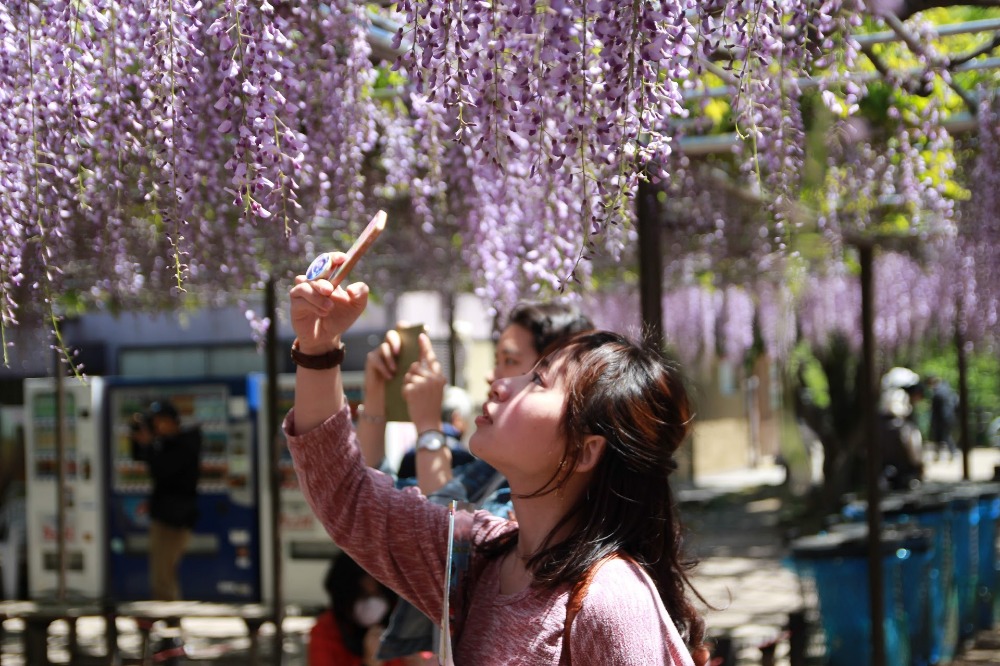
{"points": [[431, 441]]}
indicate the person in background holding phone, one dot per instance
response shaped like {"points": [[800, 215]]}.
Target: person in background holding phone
{"points": [[410, 634], [456, 411], [530, 329]]}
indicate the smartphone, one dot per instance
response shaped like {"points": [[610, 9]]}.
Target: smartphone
{"points": [[322, 266], [409, 353]]}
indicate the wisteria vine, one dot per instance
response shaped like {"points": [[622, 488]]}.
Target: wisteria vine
{"points": [[149, 149]]}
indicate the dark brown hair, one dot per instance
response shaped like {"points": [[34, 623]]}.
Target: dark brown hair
{"points": [[549, 322], [629, 395], [343, 585]]}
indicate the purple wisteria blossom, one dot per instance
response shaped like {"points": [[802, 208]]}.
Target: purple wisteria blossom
{"points": [[154, 149]]}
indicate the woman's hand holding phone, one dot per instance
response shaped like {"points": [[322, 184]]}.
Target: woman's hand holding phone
{"points": [[321, 310], [321, 313]]}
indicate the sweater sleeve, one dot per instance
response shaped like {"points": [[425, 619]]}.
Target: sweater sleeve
{"points": [[617, 626], [395, 535]]}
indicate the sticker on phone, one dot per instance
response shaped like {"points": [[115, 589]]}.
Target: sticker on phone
{"points": [[320, 267]]}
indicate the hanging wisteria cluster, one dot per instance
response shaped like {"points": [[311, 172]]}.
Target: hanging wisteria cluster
{"points": [[872, 184], [148, 148], [787, 42], [913, 305], [976, 263], [577, 100], [521, 230]]}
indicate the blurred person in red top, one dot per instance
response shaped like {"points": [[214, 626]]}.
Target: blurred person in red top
{"points": [[347, 632]]}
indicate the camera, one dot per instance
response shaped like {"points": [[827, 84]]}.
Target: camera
{"points": [[138, 423]]}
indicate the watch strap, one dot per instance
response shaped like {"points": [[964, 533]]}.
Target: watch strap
{"points": [[330, 359]]}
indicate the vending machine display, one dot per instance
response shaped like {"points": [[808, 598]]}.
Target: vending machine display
{"points": [[306, 548], [221, 563], [83, 534]]}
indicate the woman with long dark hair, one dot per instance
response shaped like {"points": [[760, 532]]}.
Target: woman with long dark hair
{"points": [[591, 572]]}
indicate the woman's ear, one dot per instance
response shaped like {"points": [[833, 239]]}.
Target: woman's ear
{"points": [[590, 453]]}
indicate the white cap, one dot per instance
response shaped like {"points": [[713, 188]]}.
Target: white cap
{"points": [[899, 378]]}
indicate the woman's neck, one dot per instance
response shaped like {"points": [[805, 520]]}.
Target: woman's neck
{"points": [[537, 517]]}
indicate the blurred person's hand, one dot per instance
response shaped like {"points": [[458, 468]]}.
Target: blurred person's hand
{"points": [[380, 364], [139, 431], [701, 655], [423, 388], [369, 645]]}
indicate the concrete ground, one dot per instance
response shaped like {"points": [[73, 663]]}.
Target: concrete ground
{"points": [[734, 529]]}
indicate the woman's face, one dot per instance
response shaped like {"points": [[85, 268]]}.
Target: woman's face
{"points": [[371, 607], [518, 431], [515, 353]]}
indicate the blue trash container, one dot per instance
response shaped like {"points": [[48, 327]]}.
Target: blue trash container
{"points": [[935, 512], [915, 554], [929, 506], [892, 505], [838, 564], [986, 594], [965, 535]]}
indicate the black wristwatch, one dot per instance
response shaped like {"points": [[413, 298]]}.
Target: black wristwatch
{"points": [[430, 440]]}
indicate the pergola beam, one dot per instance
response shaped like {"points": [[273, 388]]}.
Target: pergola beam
{"points": [[717, 144], [805, 83], [946, 30], [937, 64]]}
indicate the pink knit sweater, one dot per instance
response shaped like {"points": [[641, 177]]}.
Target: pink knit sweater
{"points": [[401, 539]]}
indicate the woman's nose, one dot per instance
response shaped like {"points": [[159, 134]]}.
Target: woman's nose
{"points": [[499, 390]]}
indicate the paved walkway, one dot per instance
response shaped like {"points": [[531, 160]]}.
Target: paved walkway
{"points": [[734, 528]]}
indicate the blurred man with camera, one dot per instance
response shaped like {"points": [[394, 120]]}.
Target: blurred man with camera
{"points": [[173, 456]]}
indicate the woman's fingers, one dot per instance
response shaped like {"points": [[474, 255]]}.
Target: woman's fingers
{"points": [[333, 310], [311, 291]]}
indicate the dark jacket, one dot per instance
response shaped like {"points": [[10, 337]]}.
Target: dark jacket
{"points": [[174, 465], [943, 403]]}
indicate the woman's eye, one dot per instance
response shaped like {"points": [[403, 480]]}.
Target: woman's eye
{"points": [[536, 378]]}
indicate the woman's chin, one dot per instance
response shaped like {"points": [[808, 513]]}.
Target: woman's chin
{"points": [[473, 446], [476, 448]]}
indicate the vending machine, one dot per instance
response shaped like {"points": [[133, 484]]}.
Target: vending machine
{"points": [[222, 562], [306, 548], [84, 531]]}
